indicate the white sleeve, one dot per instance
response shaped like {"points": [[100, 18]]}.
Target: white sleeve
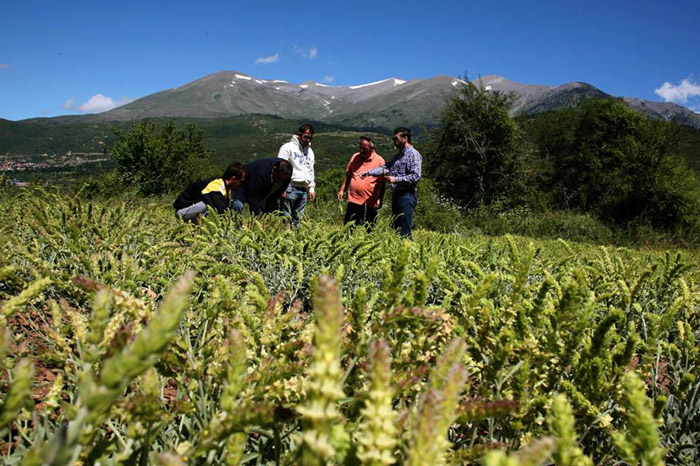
{"points": [[284, 153], [312, 181]]}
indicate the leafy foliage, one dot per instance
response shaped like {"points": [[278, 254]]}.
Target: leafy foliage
{"points": [[476, 153], [601, 159], [460, 346], [610, 160], [159, 159]]}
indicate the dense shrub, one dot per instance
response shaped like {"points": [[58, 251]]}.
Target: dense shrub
{"points": [[435, 211], [157, 159], [476, 153], [615, 163], [103, 185], [525, 221], [600, 159]]}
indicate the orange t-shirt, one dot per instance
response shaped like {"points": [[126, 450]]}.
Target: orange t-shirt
{"points": [[364, 191]]}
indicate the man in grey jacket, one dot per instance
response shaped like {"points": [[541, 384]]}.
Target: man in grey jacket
{"points": [[299, 153]]}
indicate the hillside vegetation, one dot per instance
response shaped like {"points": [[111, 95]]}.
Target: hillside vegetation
{"points": [[243, 138], [601, 159], [129, 337]]}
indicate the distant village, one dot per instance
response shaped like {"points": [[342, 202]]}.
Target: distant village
{"points": [[11, 164]]}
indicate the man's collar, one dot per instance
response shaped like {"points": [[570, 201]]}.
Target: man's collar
{"points": [[298, 141], [369, 157]]}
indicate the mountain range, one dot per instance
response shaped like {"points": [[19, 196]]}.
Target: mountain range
{"points": [[380, 105], [251, 116]]}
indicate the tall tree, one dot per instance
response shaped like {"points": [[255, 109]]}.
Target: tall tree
{"points": [[475, 154]]}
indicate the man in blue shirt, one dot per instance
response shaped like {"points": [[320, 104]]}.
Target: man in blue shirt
{"points": [[403, 173]]}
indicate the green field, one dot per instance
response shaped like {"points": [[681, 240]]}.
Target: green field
{"points": [[130, 338]]}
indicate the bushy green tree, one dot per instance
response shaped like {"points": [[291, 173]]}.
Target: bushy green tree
{"points": [[475, 154], [610, 160], [158, 159]]}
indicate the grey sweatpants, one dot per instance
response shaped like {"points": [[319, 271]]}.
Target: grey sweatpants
{"points": [[190, 213]]}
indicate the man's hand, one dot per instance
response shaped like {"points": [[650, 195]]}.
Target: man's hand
{"points": [[341, 195], [391, 179], [312, 196], [237, 206]]}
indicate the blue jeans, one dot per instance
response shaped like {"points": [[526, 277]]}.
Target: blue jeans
{"points": [[294, 204], [402, 206]]}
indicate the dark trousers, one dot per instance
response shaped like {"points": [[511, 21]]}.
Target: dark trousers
{"points": [[402, 206], [361, 215]]}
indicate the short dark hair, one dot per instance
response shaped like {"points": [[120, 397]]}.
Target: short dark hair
{"points": [[303, 128], [368, 139], [284, 168], [404, 132], [235, 170]]}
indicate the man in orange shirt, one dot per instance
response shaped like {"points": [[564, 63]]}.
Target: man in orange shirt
{"points": [[364, 194]]}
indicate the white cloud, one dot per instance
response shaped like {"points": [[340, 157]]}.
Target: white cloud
{"points": [[68, 104], [5, 66], [328, 79], [310, 53], [678, 93], [271, 59], [100, 103]]}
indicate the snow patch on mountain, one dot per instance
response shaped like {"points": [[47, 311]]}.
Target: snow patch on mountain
{"points": [[368, 84], [327, 104], [397, 82]]}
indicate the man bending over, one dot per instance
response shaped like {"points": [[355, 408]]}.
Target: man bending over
{"points": [[214, 192]]}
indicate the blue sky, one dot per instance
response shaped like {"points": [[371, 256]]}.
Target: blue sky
{"points": [[73, 57]]}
